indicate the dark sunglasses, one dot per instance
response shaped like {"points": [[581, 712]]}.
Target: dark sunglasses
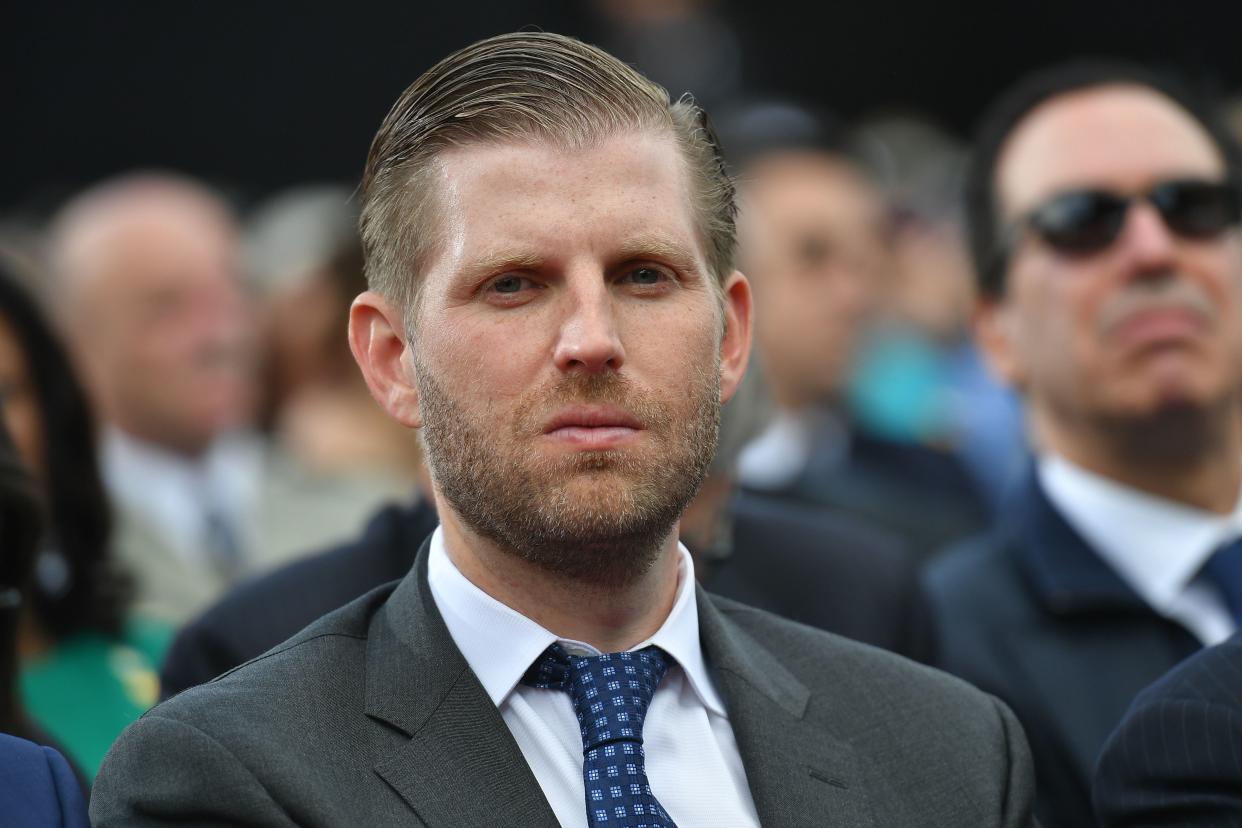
{"points": [[1087, 221]]}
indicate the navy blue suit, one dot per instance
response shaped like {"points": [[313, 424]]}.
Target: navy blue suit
{"points": [[37, 788], [1033, 615], [1176, 759]]}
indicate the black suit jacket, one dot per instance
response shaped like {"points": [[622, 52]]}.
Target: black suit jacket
{"points": [[803, 563], [1032, 614], [1176, 759], [822, 568], [371, 716]]}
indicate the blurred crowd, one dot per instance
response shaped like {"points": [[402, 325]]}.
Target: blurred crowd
{"points": [[187, 421]]}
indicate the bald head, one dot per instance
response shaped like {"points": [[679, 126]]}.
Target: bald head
{"points": [[147, 291]]}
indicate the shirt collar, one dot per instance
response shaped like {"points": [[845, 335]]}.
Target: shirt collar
{"points": [[172, 493], [131, 463], [1154, 544], [499, 643], [781, 451]]}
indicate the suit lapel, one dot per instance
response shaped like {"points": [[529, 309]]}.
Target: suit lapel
{"points": [[1068, 575], [798, 775], [460, 765]]}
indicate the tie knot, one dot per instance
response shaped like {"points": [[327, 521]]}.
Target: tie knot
{"points": [[610, 692]]}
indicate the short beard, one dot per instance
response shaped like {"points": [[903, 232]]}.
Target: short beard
{"points": [[525, 504]]}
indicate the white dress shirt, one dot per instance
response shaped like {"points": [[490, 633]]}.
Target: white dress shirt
{"points": [[692, 762], [1155, 545], [175, 495], [782, 450]]}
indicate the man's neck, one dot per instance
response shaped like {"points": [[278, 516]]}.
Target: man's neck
{"points": [[610, 618], [1197, 462]]}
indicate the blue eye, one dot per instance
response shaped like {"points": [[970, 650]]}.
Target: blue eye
{"points": [[508, 284], [646, 276]]}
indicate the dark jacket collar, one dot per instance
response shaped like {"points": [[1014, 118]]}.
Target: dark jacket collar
{"points": [[1064, 571]]}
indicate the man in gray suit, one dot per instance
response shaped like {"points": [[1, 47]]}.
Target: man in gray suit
{"points": [[554, 305]]}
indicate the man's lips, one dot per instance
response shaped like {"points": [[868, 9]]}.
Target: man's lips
{"points": [[1159, 324], [593, 427]]}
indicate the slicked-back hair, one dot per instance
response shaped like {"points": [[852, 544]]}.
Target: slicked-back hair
{"points": [[984, 220], [525, 86]]}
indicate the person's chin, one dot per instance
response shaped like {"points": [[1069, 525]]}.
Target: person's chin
{"points": [[1173, 396]]}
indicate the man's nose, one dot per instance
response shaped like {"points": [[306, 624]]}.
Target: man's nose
{"points": [[588, 340], [1146, 239]]}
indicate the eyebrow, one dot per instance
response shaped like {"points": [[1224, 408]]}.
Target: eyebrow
{"points": [[659, 247], [505, 260], [638, 247]]}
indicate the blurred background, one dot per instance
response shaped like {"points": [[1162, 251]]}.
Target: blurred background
{"points": [[259, 96]]}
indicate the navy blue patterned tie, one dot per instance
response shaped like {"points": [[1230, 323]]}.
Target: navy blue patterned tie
{"points": [[610, 694], [1224, 569]]}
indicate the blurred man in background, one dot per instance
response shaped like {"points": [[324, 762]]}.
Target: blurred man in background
{"points": [[807, 562], [1104, 213], [149, 296], [815, 239], [305, 261], [148, 291]]}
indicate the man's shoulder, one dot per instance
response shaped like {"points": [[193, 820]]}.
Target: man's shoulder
{"points": [[1179, 740], [981, 556], [849, 671], [289, 732], [822, 568], [981, 574], [882, 715], [1212, 676], [329, 651], [814, 538], [39, 787]]}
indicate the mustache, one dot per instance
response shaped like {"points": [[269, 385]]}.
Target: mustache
{"points": [[611, 389], [1169, 292]]}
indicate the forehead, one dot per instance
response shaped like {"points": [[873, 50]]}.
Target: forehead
{"points": [[802, 187], [536, 199], [147, 245], [1120, 137]]}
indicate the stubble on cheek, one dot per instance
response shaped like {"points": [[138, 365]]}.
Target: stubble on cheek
{"points": [[598, 517]]}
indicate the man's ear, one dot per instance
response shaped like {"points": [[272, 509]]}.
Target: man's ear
{"points": [[996, 335], [735, 343], [377, 338]]}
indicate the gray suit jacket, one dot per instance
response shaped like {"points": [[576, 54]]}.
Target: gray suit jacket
{"points": [[371, 716]]}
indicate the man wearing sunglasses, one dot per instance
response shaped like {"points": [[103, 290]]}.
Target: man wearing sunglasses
{"points": [[1104, 212]]}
